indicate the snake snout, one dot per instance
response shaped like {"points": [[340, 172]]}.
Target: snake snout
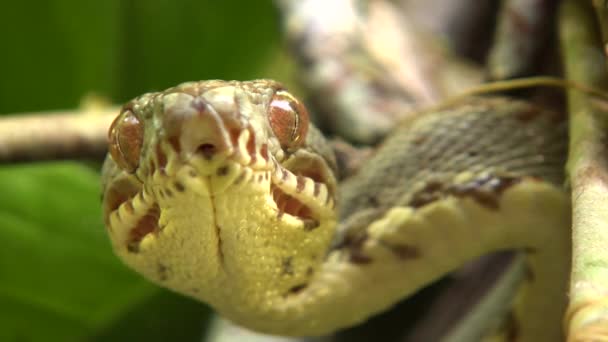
{"points": [[194, 127]]}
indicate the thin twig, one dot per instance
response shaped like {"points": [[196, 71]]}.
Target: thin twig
{"points": [[55, 135], [587, 317], [601, 11]]}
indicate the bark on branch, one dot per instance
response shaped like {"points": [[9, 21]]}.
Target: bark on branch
{"points": [[587, 317], [55, 135]]}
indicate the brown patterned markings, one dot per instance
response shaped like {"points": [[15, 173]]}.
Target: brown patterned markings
{"points": [[222, 170], [119, 192], [264, 152], [485, 190], [284, 175], [251, 146], [402, 251], [174, 142], [354, 245], [431, 192], [301, 181], [296, 289], [146, 225], [179, 186], [161, 157]]}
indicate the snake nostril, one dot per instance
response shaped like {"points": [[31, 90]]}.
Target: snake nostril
{"points": [[206, 150]]}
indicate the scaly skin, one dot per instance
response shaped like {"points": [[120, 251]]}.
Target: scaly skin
{"points": [[216, 190]]}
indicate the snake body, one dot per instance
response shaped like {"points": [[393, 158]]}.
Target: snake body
{"points": [[222, 191]]}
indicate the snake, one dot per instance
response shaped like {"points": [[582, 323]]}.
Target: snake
{"points": [[224, 191]]}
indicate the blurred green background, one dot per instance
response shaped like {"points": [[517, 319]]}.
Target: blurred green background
{"points": [[59, 280]]}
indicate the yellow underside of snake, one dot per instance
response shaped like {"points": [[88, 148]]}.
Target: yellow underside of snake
{"points": [[224, 192]]}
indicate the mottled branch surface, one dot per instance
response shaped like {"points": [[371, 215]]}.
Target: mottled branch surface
{"points": [[56, 135], [587, 318]]}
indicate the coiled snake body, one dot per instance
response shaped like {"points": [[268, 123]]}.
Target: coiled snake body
{"points": [[224, 192]]}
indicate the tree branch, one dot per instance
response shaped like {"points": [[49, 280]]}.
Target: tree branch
{"points": [[587, 317], [55, 135]]}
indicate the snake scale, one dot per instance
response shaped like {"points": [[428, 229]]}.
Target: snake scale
{"points": [[223, 191]]}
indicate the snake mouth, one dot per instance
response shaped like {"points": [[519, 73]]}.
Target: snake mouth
{"points": [[127, 204], [302, 190]]}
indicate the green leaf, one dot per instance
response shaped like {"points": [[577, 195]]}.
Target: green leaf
{"points": [[59, 279]]}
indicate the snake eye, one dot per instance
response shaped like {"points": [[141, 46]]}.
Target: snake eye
{"points": [[288, 119], [125, 139]]}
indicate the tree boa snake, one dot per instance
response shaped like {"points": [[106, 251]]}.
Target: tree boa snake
{"points": [[223, 191]]}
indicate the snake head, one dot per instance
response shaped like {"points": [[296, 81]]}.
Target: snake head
{"points": [[209, 180]]}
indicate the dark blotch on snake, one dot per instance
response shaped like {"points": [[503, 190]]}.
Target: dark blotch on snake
{"points": [[287, 266], [162, 272], [354, 245], [161, 157], [296, 289], [301, 182], [264, 152], [311, 224], [431, 192], [485, 190], [146, 225], [404, 252], [174, 142], [179, 187], [222, 171]]}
